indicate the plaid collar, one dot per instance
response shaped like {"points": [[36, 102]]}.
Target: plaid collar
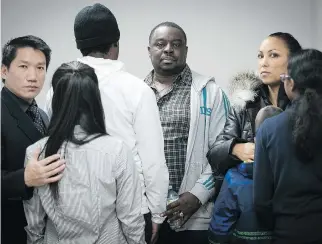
{"points": [[184, 76]]}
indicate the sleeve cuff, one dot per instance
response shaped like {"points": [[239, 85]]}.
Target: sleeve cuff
{"points": [[201, 193], [156, 218]]}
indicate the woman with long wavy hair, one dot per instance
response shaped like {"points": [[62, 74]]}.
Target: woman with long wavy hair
{"points": [[288, 157]]}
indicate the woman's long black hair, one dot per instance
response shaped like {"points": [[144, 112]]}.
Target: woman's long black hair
{"points": [[76, 101], [305, 68]]}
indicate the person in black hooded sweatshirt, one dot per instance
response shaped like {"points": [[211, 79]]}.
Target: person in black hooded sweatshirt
{"points": [[288, 158]]}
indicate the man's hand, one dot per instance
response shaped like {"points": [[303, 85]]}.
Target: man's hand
{"points": [[155, 233], [186, 205], [244, 151], [48, 170]]}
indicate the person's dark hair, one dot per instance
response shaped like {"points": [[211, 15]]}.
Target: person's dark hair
{"points": [[292, 44], [168, 24], [9, 50], [101, 49], [76, 101], [305, 68], [265, 113]]}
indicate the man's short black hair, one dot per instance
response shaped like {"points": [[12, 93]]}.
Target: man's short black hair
{"points": [[168, 24], [9, 51]]}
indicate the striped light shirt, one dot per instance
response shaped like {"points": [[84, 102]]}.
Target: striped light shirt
{"points": [[99, 197]]}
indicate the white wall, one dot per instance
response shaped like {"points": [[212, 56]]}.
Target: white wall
{"points": [[317, 23], [223, 36]]}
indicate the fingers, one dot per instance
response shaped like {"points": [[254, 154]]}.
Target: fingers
{"points": [[54, 165], [249, 146], [174, 217], [55, 171], [185, 219], [171, 211], [251, 157], [53, 179], [49, 159], [173, 204]]}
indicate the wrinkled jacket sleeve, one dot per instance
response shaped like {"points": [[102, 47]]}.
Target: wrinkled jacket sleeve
{"points": [[150, 144], [204, 187], [219, 155], [225, 215]]}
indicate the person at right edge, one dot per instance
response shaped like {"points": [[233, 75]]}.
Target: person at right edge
{"points": [[248, 95], [288, 157]]}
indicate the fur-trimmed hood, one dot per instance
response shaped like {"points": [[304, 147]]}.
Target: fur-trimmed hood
{"points": [[243, 88]]}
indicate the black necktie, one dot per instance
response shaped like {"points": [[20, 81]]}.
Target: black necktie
{"points": [[34, 114]]}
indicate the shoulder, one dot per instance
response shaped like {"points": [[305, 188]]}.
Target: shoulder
{"points": [[4, 107], [113, 150], [107, 144], [210, 90], [271, 127], [7, 102], [132, 81], [205, 81], [277, 122], [132, 87]]}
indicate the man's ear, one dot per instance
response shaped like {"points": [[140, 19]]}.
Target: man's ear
{"points": [[149, 50], [4, 72], [186, 51]]}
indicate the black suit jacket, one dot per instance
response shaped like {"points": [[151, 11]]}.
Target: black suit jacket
{"points": [[17, 133]]}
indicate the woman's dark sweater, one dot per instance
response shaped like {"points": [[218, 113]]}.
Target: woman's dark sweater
{"points": [[287, 192]]}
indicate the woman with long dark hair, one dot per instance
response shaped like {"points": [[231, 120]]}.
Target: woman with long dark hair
{"points": [[248, 94], [288, 157], [236, 143], [98, 198]]}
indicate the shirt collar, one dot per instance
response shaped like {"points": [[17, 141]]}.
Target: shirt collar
{"points": [[185, 76], [23, 104]]}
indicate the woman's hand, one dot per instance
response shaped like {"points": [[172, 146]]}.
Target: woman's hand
{"points": [[244, 151]]}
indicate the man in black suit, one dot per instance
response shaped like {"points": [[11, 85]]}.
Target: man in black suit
{"points": [[24, 64]]}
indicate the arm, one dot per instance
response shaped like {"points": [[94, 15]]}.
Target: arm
{"points": [[263, 181], [150, 146], [128, 199], [204, 187], [34, 212], [13, 182], [36, 220], [13, 185], [225, 215], [219, 155]]}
